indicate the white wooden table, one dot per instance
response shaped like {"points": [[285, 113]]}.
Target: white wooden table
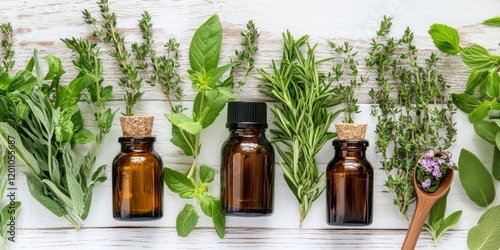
{"points": [[40, 24]]}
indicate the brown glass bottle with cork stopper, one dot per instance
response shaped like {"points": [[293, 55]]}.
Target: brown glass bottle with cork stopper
{"points": [[349, 184], [247, 165], [137, 180]]}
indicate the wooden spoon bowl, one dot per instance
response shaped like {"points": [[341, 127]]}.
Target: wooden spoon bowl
{"points": [[424, 203]]}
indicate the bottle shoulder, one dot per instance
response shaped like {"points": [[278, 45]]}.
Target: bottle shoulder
{"points": [[248, 144]]}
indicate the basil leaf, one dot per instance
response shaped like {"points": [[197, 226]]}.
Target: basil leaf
{"points": [[84, 136], [449, 222], [465, 102], [206, 204], [176, 181], [486, 234], [475, 178], [213, 103], [496, 160], [186, 220], [492, 84], [207, 174], [479, 113], [184, 122], [477, 57], [476, 79], [493, 21], [205, 46], [184, 141], [445, 38], [487, 131]]}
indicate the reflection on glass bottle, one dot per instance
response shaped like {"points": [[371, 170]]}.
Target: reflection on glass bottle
{"points": [[137, 180], [349, 185], [247, 171]]}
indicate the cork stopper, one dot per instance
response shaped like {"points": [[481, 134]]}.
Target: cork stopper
{"points": [[136, 126], [350, 131]]}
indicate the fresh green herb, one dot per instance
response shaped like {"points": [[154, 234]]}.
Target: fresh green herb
{"points": [[431, 167], [414, 122], [9, 212], [475, 179], [302, 119], [438, 223], [7, 62], [246, 56], [347, 92], [487, 232], [131, 81]]}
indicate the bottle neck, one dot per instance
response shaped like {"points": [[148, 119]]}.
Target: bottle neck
{"points": [[350, 152], [140, 145], [247, 132]]}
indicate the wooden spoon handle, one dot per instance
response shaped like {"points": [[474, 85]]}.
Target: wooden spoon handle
{"points": [[417, 222]]}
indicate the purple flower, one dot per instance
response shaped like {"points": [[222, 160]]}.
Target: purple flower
{"points": [[429, 154], [426, 183], [428, 164], [437, 172], [451, 164]]}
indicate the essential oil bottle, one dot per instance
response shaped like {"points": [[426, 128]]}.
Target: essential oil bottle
{"points": [[137, 180], [349, 185], [247, 171]]}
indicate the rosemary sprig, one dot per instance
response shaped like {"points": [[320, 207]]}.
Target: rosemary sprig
{"points": [[7, 59], [302, 119], [108, 33], [417, 120]]}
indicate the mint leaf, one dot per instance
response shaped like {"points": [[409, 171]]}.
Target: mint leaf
{"points": [[493, 21], [486, 235], [186, 220], [184, 141], [184, 122], [476, 79], [84, 136], [206, 204], [487, 131], [177, 182], [205, 46], [55, 68], [475, 178], [212, 102], [465, 102], [496, 160], [218, 218], [445, 38], [479, 113], [477, 57], [207, 174]]}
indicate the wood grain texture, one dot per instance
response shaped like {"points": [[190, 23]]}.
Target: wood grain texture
{"points": [[40, 24]]}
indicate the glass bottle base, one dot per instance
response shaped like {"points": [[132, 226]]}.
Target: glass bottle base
{"points": [[156, 215], [247, 212]]}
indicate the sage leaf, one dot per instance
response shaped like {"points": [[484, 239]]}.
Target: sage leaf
{"points": [[9, 211], [184, 141], [475, 178], [487, 131], [465, 102], [186, 220], [204, 49], [449, 222], [445, 38], [76, 194], [207, 174], [479, 113], [477, 57], [496, 160], [21, 153], [176, 181], [493, 21], [37, 190], [185, 123], [88, 202], [84, 136], [486, 235], [476, 79]]}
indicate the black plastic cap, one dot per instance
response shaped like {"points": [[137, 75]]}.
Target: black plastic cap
{"points": [[246, 115]]}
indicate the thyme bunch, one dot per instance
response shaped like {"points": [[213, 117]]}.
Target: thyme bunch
{"points": [[109, 34], [302, 118], [413, 109], [246, 56], [6, 43]]}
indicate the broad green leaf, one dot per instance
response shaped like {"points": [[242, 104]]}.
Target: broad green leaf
{"points": [[477, 57], [58, 193], [176, 181], [37, 190], [21, 153], [479, 113], [55, 68], [445, 38], [76, 194], [207, 107], [438, 211], [475, 178], [184, 141], [186, 220], [184, 122], [8, 212], [476, 79], [206, 204], [84, 136], [88, 202], [449, 222], [70, 95], [496, 160], [486, 235], [98, 177], [492, 84], [215, 75], [465, 102], [487, 131], [22, 81], [493, 21], [106, 121], [205, 46], [207, 174], [218, 218]]}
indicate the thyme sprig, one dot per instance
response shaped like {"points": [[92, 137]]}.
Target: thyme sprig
{"points": [[6, 43], [108, 33], [246, 56], [413, 109], [302, 118]]}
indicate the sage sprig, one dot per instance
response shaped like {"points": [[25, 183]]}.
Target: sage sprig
{"points": [[302, 118], [419, 119], [108, 33]]}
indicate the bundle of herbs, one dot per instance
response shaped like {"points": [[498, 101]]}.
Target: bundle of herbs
{"points": [[412, 107], [44, 118], [302, 118]]}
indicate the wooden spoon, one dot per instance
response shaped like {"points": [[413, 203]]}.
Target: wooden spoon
{"points": [[425, 201]]}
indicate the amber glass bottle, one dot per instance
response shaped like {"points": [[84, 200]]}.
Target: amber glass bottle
{"points": [[137, 180], [349, 184], [247, 171]]}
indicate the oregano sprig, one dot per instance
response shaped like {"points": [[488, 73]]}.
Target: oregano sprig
{"points": [[6, 43]]}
